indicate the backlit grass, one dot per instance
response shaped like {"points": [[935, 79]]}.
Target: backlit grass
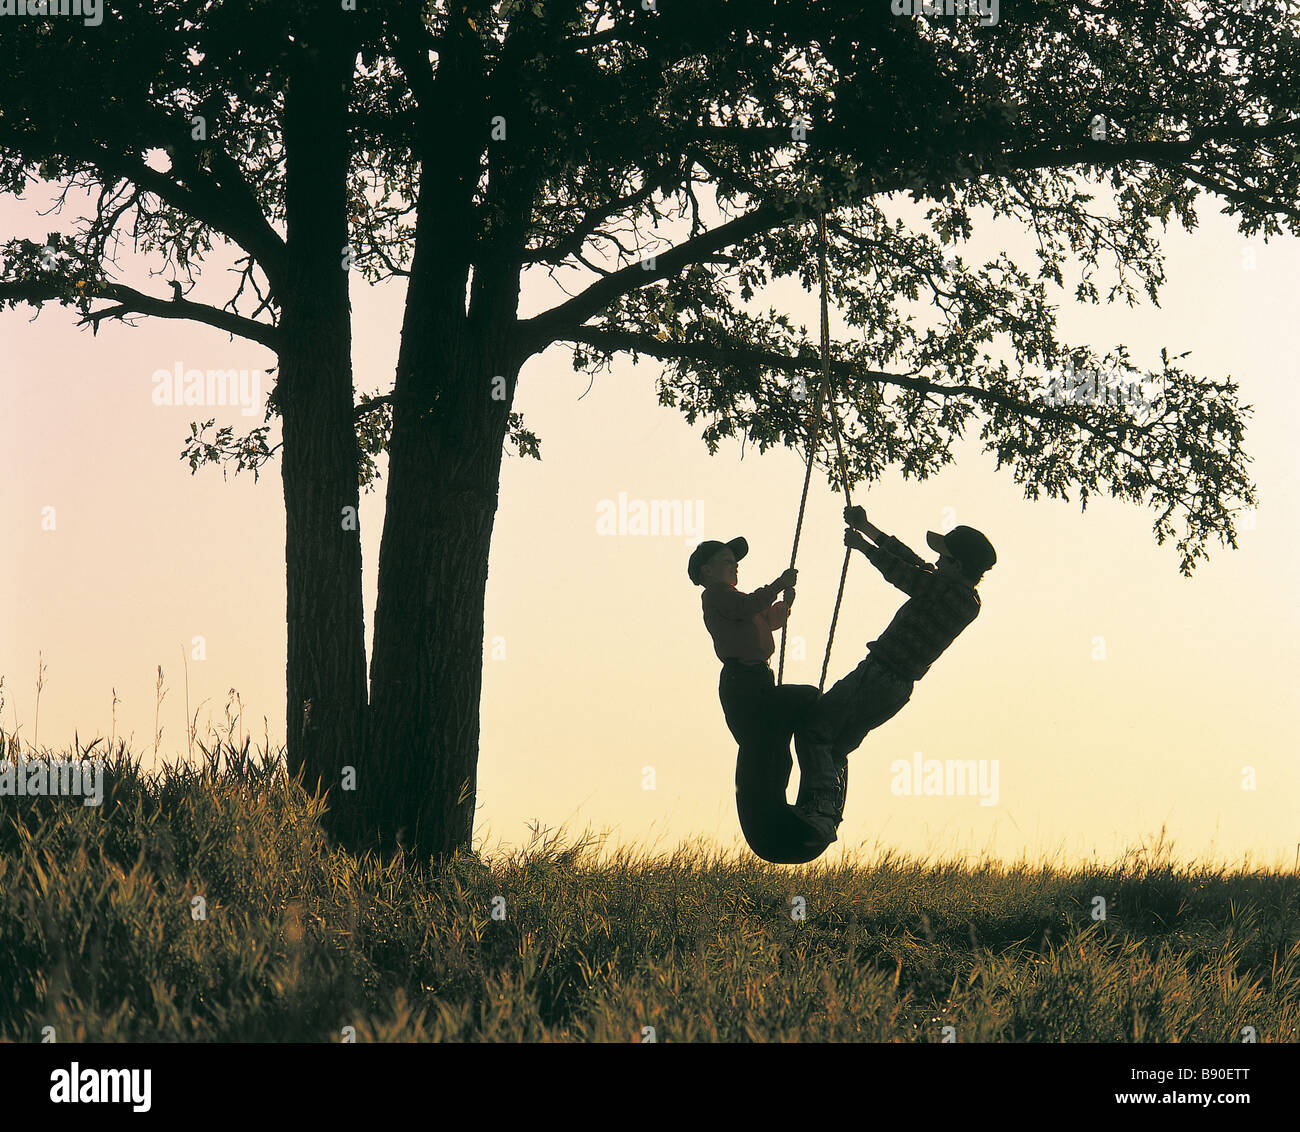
{"points": [[303, 942]]}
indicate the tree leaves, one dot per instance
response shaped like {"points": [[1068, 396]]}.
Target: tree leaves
{"points": [[630, 133]]}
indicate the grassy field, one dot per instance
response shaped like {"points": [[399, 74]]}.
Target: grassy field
{"points": [[298, 942]]}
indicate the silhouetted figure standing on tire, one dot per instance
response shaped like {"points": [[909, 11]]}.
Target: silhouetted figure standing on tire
{"points": [[761, 715]]}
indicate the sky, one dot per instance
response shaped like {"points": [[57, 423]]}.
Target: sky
{"points": [[1112, 697]]}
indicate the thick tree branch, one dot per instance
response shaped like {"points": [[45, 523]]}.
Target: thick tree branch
{"points": [[846, 372], [1167, 153], [132, 302]]}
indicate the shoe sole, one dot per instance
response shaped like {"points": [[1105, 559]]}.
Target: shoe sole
{"points": [[823, 826]]}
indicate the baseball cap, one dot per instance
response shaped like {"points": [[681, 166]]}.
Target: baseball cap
{"points": [[707, 549], [967, 545]]}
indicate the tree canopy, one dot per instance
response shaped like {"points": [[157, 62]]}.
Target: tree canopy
{"points": [[583, 138]]}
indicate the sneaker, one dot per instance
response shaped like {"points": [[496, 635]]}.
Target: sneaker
{"points": [[822, 826], [821, 812]]}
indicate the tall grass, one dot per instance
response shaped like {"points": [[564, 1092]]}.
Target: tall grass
{"points": [[300, 941]]}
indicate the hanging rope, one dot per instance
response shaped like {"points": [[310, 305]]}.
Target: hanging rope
{"points": [[825, 393]]}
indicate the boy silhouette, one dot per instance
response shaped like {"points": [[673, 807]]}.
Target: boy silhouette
{"points": [[942, 602], [761, 715]]}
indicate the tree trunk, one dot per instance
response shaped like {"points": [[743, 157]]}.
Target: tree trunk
{"points": [[427, 665], [326, 676]]}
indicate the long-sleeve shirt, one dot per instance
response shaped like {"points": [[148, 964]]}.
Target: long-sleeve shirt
{"points": [[941, 606], [741, 624]]}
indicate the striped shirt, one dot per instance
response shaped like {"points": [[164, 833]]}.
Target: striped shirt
{"points": [[940, 608], [741, 624]]}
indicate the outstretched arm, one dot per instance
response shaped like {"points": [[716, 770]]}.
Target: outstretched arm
{"points": [[856, 517], [898, 572]]}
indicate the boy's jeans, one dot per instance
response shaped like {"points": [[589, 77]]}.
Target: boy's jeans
{"points": [[762, 717], [864, 699]]}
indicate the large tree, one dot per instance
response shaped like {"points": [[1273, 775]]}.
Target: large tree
{"points": [[663, 161]]}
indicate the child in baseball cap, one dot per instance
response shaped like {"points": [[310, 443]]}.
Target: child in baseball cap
{"points": [[761, 715], [942, 603]]}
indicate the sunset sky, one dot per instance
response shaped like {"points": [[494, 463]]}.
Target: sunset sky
{"points": [[607, 669]]}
